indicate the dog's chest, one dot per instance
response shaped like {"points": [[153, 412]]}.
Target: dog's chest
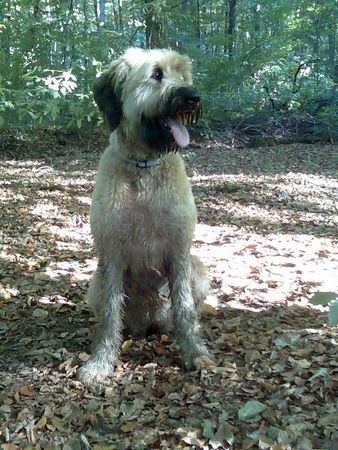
{"points": [[152, 209], [157, 211], [146, 216]]}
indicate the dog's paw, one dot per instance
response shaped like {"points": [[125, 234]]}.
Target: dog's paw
{"points": [[203, 362], [94, 376]]}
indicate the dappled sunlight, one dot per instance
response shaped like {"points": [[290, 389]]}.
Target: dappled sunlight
{"points": [[270, 160], [45, 236], [79, 271], [290, 203], [306, 190], [258, 234], [254, 271], [70, 235], [268, 242], [46, 209]]}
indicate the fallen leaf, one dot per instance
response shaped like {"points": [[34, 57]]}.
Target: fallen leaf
{"points": [[129, 426], [26, 390], [250, 409], [323, 298], [209, 310], [41, 423], [40, 314], [127, 345]]}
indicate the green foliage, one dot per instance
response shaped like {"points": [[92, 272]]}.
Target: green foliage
{"points": [[274, 57], [50, 98]]}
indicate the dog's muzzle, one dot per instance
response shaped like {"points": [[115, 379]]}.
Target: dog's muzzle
{"points": [[185, 109]]}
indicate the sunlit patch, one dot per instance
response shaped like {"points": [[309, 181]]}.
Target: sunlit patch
{"points": [[73, 268], [46, 209], [84, 200], [55, 299]]}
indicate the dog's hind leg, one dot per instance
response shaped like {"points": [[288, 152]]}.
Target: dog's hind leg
{"points": [[95, 293], [185, 313], [107, 289], [199, 281]]}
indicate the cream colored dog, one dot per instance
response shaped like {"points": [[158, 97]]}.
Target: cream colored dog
{"points": [[143, 213]]}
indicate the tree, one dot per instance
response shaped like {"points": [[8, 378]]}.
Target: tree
{"points": [[250, 57]]}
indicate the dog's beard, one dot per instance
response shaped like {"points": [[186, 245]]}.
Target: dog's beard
{"points": [[157, 136]]}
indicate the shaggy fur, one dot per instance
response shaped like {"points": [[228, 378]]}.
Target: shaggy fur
{"points": [[143, 219]]}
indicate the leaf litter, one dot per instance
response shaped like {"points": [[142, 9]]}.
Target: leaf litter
{"points": [[267, 231]]}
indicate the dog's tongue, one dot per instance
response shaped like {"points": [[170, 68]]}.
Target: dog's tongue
{"points": [[179, 132]]}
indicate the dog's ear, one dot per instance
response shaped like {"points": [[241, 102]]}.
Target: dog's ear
{"points": [[107, 91]]}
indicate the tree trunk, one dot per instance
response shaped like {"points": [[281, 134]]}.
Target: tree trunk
{"points": [[231, 27], [120, 14], [332, 67], [67, 57], [256, 22], [31, 42], [96, 14], [85, 12], [198, 24], [102, 10], [154, 25]]}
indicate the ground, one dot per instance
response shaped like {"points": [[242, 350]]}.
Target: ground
{"points": [[266, 231]]}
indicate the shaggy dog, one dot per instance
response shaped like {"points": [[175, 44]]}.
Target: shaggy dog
{"points": [[143, 213]]}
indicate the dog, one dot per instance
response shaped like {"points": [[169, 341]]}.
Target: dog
{"points": [[143, 213]]}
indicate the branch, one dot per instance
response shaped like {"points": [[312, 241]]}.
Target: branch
{"points": [[295, 86]]}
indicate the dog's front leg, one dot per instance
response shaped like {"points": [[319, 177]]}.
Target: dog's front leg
{"points": [[185, 318], [109, 330]]}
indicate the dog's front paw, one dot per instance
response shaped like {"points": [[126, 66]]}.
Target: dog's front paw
{"points": [[203, 362], [94, 375]]}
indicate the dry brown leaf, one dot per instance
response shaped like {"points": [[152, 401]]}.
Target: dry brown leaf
{"points": [[127, 345], [9, 447], [26, 390], [41, 423], [129, 426], [191, 389], [83, 356], [209, 310]]}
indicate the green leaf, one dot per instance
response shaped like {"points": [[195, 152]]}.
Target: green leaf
{"points": [[322, 372], [54, 112], [289, 338], [333, 314], [250, 409], [9, 104], [208, 431], [323, 298], [33, 116], [55, 94]]}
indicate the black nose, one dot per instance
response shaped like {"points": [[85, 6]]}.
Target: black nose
{"points": [[189, 94]]}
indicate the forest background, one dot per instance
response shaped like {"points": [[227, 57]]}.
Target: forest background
{"points": [[264, 68]]}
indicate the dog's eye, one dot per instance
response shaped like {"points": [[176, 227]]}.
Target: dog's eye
{"points": [[157, 74]]}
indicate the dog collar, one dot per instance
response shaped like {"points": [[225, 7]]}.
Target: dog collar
{"points": [[145, 163]]}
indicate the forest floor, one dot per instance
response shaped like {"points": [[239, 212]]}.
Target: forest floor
{"points": [[266, 231]]}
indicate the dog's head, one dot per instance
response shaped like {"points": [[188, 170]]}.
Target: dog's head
{"points": [[149, 94]]}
